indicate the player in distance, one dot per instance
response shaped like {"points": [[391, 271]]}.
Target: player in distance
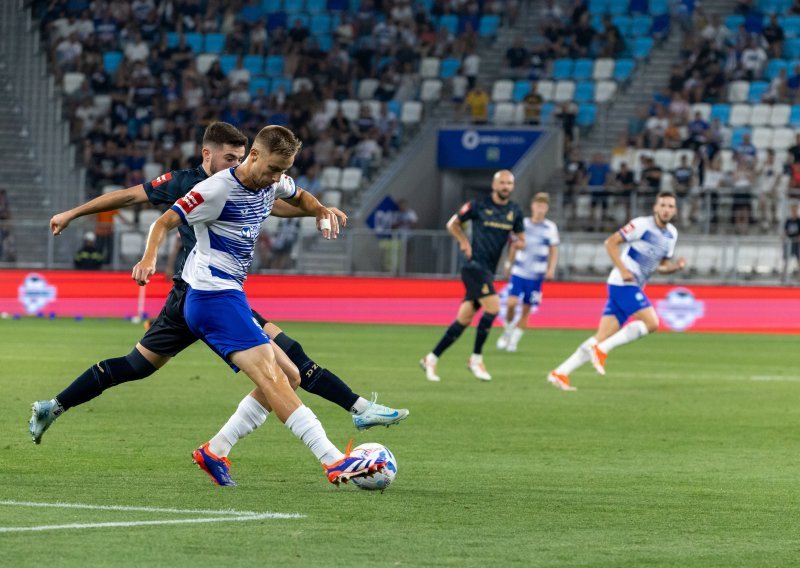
{"points": [[648, 245]]}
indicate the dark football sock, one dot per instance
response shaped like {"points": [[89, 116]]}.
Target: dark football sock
{"points": [[484, 326], [315, 379], [453, 332], [105, 374]]}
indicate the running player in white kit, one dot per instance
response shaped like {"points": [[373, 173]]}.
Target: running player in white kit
{"points": [[648, 246], [529, 267]]}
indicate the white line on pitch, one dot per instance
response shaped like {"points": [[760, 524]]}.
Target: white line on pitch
{"points": [[773, 378], [147, 523], [59, 505]]}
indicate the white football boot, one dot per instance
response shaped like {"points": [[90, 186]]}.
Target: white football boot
{"points": [[428, 364], [477, 368]]}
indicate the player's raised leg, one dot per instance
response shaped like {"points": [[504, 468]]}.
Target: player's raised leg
{"points": [[466, 312], [645, 322], [559, 377]]}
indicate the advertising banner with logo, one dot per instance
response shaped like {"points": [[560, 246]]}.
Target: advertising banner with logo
{"points": [[402, 301], [483, 148]]}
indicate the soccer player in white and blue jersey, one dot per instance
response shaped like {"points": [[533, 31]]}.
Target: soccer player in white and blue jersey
{"points": [[226, 212], [648, 245], [529, 266]]}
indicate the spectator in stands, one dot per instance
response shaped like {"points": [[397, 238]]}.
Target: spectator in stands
{"points": [[597, 179], [713, 181], [793, 84], [239, 75], [672, 136], [791, 239], [677, 79], [716, 32], [678, 109], [713, 87], [477, 105], [283, 242], [745, 150], [768, 176], [568, 115], [742, 182], [574, 175], [309, 180], [551, 12], [624, 186], [651, 174], [582, 37], [68, 53], [774, 36], [7, 248], [794, 151], [517, 58], [697, 129], [636, 127], [532, 105], [612, 43], [655, 127], [778, 90], [754, 59], [470, 67], [88, 257]]}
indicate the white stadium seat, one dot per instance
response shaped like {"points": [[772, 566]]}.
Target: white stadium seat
{"points": [[762, 137], [703, 108], [147, 217], [431, 90], [546, 89], [300, 81], [760, 115], [73, 82], [605, 91], [411, 112], [726, 157], [204, 61], [502, 90], [350, 108], [565, 91], [429, 67], [665, 159], [332, 198], [331, 177], [780, 115], [351, 179], [504, 113], [367, 87], [331, 107], [783, 138], [603, 69], [740, 115], [152, 170], [738, 91]]}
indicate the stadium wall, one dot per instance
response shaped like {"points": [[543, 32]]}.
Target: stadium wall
{"points": [[733, 309]]}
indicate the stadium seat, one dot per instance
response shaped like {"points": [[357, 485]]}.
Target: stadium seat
{"points": [[521, 90], [204, 61], [293, 6], [351, 109], [351, 178], [782, 138], [603, 69], [263, 83], [316, 6], [562, 69], [794, 116], [548, 110], [546, 89], [738, 91], [605, 91], [740, 115], [102, 103], [791, 48], [641, 48], [623, 69], [227, 63], [131, 245], [564, 91], [738, 135], [665, 159], [195, 41], [598, 6], [757, 90], [276, 20], [774, 67], [450, 23], [331, 107], [148, 216], [703, 108], [281, 83], [726, 159], [762, 137], [583, 69], [449, 67], [254, 64], [152, 170], [733, 21], [708, 259], [332, 198], [790, 25], [746, 258], [411, 112], [366, 88], [189, 149], [73, 82], [502, 90], [659, 7], [429, 67], [769, 259], [273, 65], [431, 90], [111, 61], [320, 24], [214, 43], [779, 115], [623, 23], [587, 115], [504, 113], [330, 177], [584, 92], [721, 111], [488, 25], [251, 13], [760, 114], [640, 26]]}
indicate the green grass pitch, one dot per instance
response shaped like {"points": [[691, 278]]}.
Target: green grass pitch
{"points": [[686, 454]]}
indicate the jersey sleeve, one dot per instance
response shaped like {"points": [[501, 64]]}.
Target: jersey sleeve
{"points": [[519, 221], [203, 204], [633, 231], [672, 243], [468, 212], [555, 239], [166, 188], [285, 188]]}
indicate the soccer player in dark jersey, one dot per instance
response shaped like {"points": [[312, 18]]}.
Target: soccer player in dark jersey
{"points": [[223, 147], [494, 219]]}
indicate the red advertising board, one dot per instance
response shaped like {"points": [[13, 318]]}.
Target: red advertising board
{"points": [[402, 301]]}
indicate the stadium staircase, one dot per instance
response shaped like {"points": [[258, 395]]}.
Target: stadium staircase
{"points": [[35, 154]]}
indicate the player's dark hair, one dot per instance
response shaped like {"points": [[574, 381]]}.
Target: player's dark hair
{"points": [[666, 194], [222, 133], [279, 140]]}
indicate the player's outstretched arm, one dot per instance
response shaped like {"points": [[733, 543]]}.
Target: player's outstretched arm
{"points": [[327, 219], [106, 202], [612, 244], [285, 209], [146, 267], [670, 266], [455, 228]]}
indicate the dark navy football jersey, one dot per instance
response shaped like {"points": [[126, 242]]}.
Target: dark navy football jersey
{"points": [[169, 188], [491, 226]]}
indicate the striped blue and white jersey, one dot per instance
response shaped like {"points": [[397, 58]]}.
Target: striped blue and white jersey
{"points": [[531, 262], [646, 245], [226, 218]]}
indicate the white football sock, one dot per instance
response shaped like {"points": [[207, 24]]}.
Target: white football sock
{"points": [[630, 332], [306, 426], [249, 415], [360, 405], [578, 358]]}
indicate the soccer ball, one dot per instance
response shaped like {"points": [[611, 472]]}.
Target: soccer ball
{"points": [[382, 479]]}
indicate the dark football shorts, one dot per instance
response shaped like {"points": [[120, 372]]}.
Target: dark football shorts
{"points": [[169, 333], [478, 281]]}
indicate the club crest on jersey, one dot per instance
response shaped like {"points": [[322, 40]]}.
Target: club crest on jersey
{"points": [[190, 201], [163, 178], [510, 216]]}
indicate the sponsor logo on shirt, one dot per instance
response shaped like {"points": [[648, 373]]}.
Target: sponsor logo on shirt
{"points": [[163, 178], [190, 201], [628, 229]]}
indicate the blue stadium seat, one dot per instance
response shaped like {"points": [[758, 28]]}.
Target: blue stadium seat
{"points": [[661, 24], [659, 7], [794, 117], [173, 39], [733, 21], [641, 25], [325, 42], [738, 134], [274, 66], [195, 41], [320, 24], [450, 22], [276, 20], [521, 90], [722, 111], [769, 6], [756, 92], [562, 69], [284, 82], [617, 7], [488, 25], [395, 106], [587, 115], [596, 21], [636, 6], [271, 6], [111, 60], [790, 25], [754, 23], [449, 67], [791, 48], [227, 62], [214, 43], [343, 5], [75, 7], [641, 48], [251, 13], [774, 66], [598, 6], [316, 6], [257, 83], [305, 19], [548, 109], [254, 64], [583, 69], [623, 24], [292, 6], [584, 92], [623, 69]]}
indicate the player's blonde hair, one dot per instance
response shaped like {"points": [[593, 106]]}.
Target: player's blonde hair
{"points": [[278, 140]]}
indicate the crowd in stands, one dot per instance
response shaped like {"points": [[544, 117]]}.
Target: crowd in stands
{"points": [[151, 75], [8, 249]]}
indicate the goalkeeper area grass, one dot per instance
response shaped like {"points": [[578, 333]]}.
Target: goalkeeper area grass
{"points": [[685, 454]]}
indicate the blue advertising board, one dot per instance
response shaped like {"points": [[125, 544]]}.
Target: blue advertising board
{"points": [[473, 148]]}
